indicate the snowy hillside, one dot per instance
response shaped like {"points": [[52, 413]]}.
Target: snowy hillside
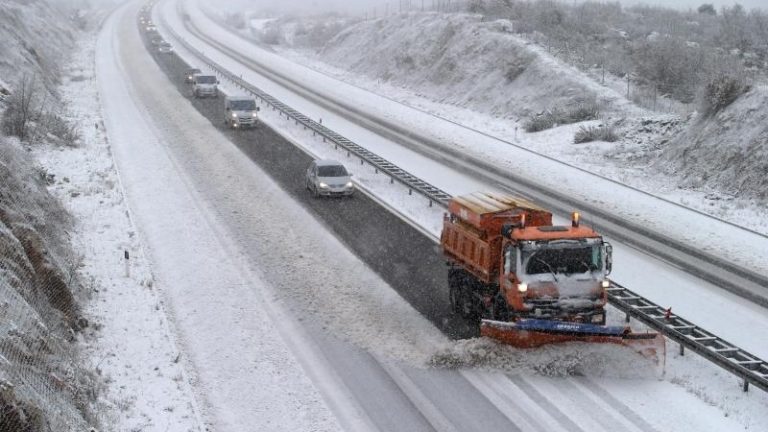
{"points": [[460, 59], [727, 151], [36, 38]]}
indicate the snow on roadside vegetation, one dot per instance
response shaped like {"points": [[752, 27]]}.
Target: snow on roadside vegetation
{"points": [[129, 344]]}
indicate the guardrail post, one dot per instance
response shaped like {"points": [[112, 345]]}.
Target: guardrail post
{"points": [[362, 161], [410, 191], [391, 180], [347, 153], [430, 203], [627, 317], [745, 387], [682, 349]]}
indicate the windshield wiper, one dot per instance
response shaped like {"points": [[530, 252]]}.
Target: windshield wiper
{"points": [[549, 267]]}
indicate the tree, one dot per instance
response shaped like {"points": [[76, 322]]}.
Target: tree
{"points": [[708, 9]]}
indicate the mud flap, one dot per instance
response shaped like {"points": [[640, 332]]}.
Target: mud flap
{"points": [[532, 333]]}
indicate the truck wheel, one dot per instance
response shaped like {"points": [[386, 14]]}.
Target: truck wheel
{"points": [[460, 296], [500, 308]]}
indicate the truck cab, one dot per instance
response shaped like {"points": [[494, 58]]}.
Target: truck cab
{"points": [[508, 261], [205, 85], [554, 272], [240, 112]]}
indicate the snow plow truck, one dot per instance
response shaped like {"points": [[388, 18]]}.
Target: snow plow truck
{"points": [[528, 282]]}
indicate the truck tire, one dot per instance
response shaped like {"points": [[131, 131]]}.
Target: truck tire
{"points": [[460, 296]]}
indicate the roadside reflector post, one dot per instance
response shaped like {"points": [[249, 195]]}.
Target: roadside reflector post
{"points": [[127, 264]]}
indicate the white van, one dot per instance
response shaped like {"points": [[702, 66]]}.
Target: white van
{"points": [[240, 112], [205, 85]]}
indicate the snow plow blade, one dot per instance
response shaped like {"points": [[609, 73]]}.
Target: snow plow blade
{"points": [[532, 333]]}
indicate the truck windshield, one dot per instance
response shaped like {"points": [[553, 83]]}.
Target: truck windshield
{"points": [[562, 260], [331, 171], [206, 79], [243, 105]]}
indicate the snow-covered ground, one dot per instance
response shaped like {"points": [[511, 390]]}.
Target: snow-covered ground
{"points": [[129, 343]]}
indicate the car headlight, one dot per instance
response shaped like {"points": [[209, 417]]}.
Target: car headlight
{"points": [[597, 319], [323, 185], [234, 115], [349, 184], [606, 283], [522, 287], [253, 114]]}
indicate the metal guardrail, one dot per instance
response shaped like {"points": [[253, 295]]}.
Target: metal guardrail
{"points": [[728, 356], [395, 173], [750, 368]]}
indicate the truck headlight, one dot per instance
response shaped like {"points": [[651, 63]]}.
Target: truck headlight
{"points": [[323, 185], [522, 287], [349, 184], [234, 115], [597, 319], [605, 284]]}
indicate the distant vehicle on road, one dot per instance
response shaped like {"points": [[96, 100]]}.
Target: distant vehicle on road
{"points": [[165, 48], [156, 41], [240, 112], [329, 178], [205, 86], [189, 76], [151, 28]]}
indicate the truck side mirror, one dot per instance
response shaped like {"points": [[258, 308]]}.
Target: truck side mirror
{"points": [[506, 230], [608, 258]]}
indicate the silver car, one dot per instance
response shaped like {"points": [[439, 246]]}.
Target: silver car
{"points": [[165, 48], [329, 178]]}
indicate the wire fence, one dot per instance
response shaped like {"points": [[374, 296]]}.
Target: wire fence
{"points": [[42, 386]]}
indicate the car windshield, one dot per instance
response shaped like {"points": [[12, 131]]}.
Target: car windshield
{"points": [[206, 79], [331, 171], [243, 105], [567, 260]]}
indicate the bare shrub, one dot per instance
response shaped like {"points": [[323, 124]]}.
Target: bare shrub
{"points": [[587, 134], [721, 92], [20, 109], [66, 131], [539, 122]]}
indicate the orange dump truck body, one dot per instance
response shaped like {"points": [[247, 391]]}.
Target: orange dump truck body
{"points": [[471, 234]]}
